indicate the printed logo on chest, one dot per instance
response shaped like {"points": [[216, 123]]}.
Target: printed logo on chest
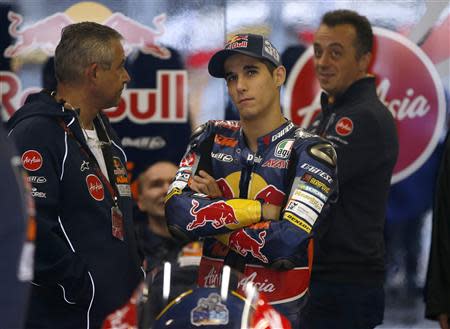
{"points": [[95, 187]]}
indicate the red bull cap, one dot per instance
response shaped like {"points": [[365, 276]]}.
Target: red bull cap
{"points": [[253, 45]]}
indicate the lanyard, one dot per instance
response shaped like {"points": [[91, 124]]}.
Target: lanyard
{"points": [[107, 154]]}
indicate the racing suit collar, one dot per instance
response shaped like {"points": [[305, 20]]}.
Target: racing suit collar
{"points": [[274, 136]]}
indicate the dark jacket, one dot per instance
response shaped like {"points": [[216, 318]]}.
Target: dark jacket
{"points": [[82, 272], [156, 248], [437, 293], [350, 246]]}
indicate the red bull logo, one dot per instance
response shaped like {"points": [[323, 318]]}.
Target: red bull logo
{"points": [[218, 213], [270, 194], [46, 33], [137, 35], [415, 97], [164, 104], [243, 243], [227, 192], [237, 41]]}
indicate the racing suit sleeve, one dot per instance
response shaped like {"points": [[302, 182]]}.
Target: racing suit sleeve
{"points": [[192, 215], [282, 244], [57, 267]]}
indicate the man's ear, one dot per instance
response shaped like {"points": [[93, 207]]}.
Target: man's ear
{"points": [[140, 204], [280, 75], [91, 71], [364, 62]]}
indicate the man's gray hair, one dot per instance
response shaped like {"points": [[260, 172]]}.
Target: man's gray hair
{"points": [[81, 45]]}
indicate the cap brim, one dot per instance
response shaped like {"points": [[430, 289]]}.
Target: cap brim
{"points": [[217, 61]]}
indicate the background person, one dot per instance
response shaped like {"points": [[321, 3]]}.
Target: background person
{"points": [[346, 289], [86, 262], [153, 234]]}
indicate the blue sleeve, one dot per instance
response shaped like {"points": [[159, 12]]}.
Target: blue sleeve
{"points": [[193, 215]]}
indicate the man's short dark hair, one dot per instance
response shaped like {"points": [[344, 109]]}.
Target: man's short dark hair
{"points": [[364, 34]]}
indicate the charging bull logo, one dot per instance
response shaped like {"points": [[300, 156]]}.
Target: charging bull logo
{"points": [[237, 41], [243, 243], [46, 33], [270, 194], [219, 213]]}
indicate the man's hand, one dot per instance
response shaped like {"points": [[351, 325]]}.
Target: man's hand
{"points": [[443, 321], [270, 212], [206, 184]]}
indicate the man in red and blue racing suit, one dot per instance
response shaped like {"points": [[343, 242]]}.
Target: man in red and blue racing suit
{"points": [[254, 188]]}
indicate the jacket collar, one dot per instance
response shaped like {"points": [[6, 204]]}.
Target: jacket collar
{"points": [[359, 90]]}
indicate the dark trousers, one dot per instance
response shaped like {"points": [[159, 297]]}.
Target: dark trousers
{"points": [[342, 306]]}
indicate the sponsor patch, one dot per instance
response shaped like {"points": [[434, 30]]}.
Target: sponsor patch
{"points": [[317, 183], [308, 199], [95, 187], [298, 222], [282, 132], [32, 160], [344, 126], [271, 51], [37, 194], [276, 163], [37, 179], [183, 175], [225, 141], [312, 190], [317, 171], [237, 41], [283, 149], [300, 210], [222, 157]]}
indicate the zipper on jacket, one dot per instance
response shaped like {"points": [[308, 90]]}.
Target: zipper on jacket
{"points": [[325, 124]]}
